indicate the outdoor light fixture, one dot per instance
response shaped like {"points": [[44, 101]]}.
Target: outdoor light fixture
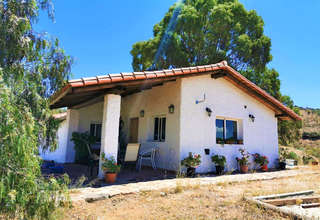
{"points": [[171, 109], [209, 111], [142, 113], [252, 117]]}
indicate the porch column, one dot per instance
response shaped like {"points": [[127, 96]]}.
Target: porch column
{"points": [[72, 124], [110, 127]]}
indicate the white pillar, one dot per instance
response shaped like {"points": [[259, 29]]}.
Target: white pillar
{"points": [[110, 127], [72, 126]]}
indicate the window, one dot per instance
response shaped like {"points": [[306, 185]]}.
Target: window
{"points": [[95, 130], [159, 129], [226, 131]]}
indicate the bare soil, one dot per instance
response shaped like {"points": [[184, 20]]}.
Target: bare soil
{"points": [[219, 201]]}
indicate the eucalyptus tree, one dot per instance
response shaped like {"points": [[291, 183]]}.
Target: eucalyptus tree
{"points": [[32, 67]]}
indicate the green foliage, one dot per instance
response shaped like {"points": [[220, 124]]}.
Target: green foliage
{"points": [[283, 154], [32, 67], [219, 160], [211, 31], [81, 143], [289, 131], [207, 32], [306, 159], [244, 159], [311, 135], [24, 193], [193, 160], [109, 165], [292, 155], [260, 159]]}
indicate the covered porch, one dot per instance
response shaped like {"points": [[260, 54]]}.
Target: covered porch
{"points": [[148, 116]]}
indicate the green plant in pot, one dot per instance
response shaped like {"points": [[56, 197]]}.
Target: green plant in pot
{"points": [[110, 168], [220, 162], [262, 161], [243, 161], [191, 162]]}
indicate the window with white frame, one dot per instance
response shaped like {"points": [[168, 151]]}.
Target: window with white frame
{"points": [[159, 132], [95, 130], [227, 131]]}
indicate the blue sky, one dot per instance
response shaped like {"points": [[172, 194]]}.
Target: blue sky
{"points": [[99, 35]]}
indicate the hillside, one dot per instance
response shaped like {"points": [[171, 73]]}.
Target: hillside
{"points": [[309, 145]]}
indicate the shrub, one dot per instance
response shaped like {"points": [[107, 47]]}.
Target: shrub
{"points": [[81, 143], [244, 159], [260, 159], [219, 160], [292, 155], [109, 165], [193, 160]]}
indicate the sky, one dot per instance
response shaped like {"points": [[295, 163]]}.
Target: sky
{"points": [[99, 35]]}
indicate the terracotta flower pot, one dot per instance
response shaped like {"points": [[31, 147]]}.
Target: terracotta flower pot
{"points": [[244, 168], [264, 168], [110, 177]]}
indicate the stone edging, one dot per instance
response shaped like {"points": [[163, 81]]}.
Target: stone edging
{"points": [[93, 194]]}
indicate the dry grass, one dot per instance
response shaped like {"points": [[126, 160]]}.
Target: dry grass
{"points": [[220, 201]]}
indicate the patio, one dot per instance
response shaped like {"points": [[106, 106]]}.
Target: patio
{"points": [[128, 174]]}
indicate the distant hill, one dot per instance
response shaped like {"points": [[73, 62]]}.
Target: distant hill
{"points": [[309, 145]]}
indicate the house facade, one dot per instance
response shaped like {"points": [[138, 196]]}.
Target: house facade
{"points": [[197, 109]]}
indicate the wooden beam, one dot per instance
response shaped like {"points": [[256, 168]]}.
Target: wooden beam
{"points": [[218, 75], [89, 102], [293, 201], [311, 205]]}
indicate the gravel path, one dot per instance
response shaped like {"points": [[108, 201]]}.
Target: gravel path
{"points": [[94, 194]]}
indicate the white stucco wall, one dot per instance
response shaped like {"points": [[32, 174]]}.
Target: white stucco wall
{"points": [[155, 102], [198, 131], [59, 155]]}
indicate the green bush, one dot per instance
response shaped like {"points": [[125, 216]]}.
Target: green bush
{"points": [[24, 193], [81, 143], [292, 155]]}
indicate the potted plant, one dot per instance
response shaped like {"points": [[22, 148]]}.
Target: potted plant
{"points": [[191, 162], [220, 141], [243, 161], [231, 141], [219, 161], [262, 161], [110, 168]]}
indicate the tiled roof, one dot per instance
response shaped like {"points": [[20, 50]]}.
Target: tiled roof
{"points": [[145, 75], [173, 73]]}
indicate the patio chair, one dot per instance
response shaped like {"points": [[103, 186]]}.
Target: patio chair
{"points": [[148, 155], [131, 155]]}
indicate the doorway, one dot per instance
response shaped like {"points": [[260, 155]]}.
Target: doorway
{"points": [[134, 130]]}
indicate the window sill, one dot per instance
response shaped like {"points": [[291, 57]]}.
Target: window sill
{"points": [[229, 144]]}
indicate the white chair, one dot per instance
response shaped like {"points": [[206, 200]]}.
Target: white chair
{"points": [[148, 155], [132, 152]]}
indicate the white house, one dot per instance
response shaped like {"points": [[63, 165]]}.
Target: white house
{"points": [[180, 110]]}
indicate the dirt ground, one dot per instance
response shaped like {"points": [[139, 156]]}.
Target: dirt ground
{"points": [[219, 201]]}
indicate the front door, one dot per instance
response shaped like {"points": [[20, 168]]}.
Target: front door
{"points": [[134, 130]]}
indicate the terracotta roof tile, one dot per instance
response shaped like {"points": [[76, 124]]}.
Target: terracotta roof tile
{"points": [[147, 75]]}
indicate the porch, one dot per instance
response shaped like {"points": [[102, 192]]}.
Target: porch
{"points": [[142, 117], [81, 174]]}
